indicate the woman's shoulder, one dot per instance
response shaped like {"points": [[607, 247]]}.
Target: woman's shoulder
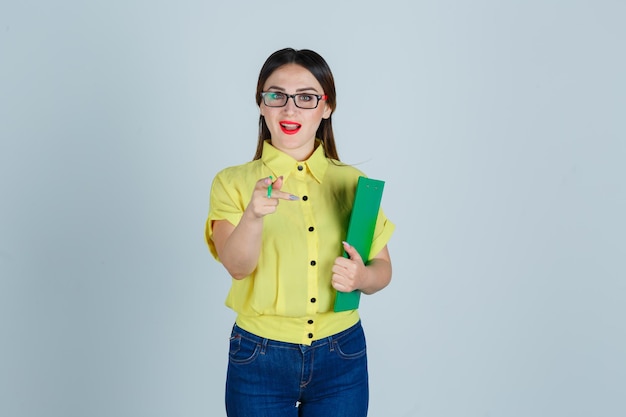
{"points": [[345, 170]]}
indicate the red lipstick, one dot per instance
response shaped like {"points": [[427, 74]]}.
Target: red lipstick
{"points": [[289, 128]]}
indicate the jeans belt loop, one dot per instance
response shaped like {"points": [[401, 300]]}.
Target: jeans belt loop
{"points": [[264, 345]]}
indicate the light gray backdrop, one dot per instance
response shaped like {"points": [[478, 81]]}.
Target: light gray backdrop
{"points": [[498, 126]]}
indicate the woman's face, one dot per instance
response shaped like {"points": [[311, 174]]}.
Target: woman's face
{"points": [[292, 128]]}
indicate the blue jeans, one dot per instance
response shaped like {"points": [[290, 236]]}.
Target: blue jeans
{"points": [[267, 378]]}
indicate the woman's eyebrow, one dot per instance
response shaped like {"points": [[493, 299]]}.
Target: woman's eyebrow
{"points": [[299, 90]]}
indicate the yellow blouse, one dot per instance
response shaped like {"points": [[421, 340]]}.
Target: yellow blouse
{"points": [[289, 296]]}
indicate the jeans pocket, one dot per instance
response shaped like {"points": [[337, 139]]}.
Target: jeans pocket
{"points": [[351, 346], [242, 351]]}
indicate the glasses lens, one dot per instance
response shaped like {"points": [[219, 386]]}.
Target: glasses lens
{"points": [[272, 99], [306, 101]]}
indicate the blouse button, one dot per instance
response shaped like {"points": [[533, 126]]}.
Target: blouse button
{"points": [[300, 167], [311, 228], [310, 321], [313, 263], [313, 300], [304, 198], [310, 335]]}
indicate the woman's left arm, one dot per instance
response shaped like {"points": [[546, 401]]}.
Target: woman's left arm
{"points": [[352, 274]]}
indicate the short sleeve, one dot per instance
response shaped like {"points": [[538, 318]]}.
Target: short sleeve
{"points": [[226, 203], [382, 233]]}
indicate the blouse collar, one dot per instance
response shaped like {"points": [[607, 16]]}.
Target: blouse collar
{"points": [[282, 164]]}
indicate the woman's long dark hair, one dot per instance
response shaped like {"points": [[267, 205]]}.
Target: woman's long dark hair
{"points": [[313, 62]]}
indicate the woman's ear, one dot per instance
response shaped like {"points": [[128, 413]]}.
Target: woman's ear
{"points": [[327, 111]]}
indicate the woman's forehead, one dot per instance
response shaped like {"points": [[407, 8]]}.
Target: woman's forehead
{"points": [[292, 76]]}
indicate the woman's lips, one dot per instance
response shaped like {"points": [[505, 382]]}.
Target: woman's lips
{"points": [[289, 128]]}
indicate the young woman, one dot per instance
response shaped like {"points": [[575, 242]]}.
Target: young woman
{"points": [[276, 224]]}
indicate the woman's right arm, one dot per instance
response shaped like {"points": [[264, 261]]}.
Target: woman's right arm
{"points": [[238, 247]]}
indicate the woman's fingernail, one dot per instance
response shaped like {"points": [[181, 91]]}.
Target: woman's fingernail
{"points": [[294, 197]]}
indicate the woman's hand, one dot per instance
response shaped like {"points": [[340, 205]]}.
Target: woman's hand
{"points": [[348, 273], [264, 199], [352, 274]]}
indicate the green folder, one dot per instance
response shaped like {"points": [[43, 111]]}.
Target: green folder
{"points": [[369, 193]]}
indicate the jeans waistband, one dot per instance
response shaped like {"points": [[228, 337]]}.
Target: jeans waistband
{"points": [[318, 343]]}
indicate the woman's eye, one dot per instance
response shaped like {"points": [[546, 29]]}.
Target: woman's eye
{"points": [[276, 96], [305, 97]]}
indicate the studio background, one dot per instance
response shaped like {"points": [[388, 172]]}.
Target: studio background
{"points": [[497, 125]]}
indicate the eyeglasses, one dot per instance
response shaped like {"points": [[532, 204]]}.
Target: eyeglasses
{"points": [[303, 101]]}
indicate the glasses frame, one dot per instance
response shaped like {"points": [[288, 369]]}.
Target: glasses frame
{"points": [[293, 97]]}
